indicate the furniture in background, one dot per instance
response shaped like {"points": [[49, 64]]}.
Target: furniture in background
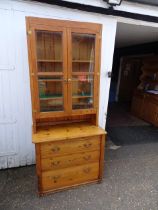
{"points": [[130, 71], [145, 98], [64, 59]]}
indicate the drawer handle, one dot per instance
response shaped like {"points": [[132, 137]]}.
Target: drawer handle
{"points": [[87, 157], [55, 163], [55, 149], [55, 178], [86, 170], [87, 145]]}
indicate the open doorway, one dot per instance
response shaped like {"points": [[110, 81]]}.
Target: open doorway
{"points": [[133, 100]]}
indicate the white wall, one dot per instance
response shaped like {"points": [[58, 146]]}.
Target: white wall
{"points": [[16, 148]]}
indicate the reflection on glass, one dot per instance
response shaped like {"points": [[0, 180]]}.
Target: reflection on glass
{"points": [[49, 67], [83, 52], [83, 64], [82, 103], [49, 51], [82, 92], [50, 93], [49, 62], [51, 105]]}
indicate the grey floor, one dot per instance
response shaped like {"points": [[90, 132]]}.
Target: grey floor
{"points": [[130, 183]]}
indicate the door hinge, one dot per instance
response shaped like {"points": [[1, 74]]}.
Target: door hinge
{"points": [[34, 110], [29, 32]]}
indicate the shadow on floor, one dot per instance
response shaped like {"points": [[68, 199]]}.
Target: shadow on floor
{"points": [[125, 129]]}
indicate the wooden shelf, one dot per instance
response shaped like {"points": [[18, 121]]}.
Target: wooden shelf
{"points": [[50, 80], [51, 98], [51, 61], [150, 81], [76, 96], [82, 61], [82, 104], [145, 103], [78, 80], [82, 73], [50, 73]]}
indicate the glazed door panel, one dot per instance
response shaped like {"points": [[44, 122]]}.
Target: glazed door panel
{"points": [[83, 65], [64, 59], [50, 71]]}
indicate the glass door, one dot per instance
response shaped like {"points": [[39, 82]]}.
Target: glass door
{"points": [[51, 71], [82, 74]]}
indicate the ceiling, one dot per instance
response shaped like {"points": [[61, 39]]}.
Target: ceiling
{"points": [[128, 35]]}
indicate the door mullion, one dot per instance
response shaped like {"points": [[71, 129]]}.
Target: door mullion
{"points": [[69, 81]]}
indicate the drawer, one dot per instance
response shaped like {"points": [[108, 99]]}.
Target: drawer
{"points": [[61, 148], [52, 180], [59, 162]]}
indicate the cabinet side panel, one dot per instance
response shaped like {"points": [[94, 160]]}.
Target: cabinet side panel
{"points": [[38, 166], [102, 151]]}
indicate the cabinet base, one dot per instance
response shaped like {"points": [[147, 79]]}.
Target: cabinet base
{"points": [[49, 192]]}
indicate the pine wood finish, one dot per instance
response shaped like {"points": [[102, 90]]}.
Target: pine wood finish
{"points": [[145, 104], [66, 131], [66, 159], [64, 59], [52, 163], [69, 176]]}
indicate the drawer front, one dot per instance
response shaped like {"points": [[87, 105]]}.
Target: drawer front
{"points": [[52, 149], [52, 180], [59, 162]]}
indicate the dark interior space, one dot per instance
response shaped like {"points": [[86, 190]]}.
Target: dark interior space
{"points": [[133, 100]]}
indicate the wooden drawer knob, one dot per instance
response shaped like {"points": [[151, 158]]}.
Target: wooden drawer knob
{"points": [[87, 145], [88, 157], [55, 163], [55, 178], [86, 170], [55, 149]]}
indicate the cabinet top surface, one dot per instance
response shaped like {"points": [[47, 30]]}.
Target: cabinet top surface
{"points": [[67, 131]]}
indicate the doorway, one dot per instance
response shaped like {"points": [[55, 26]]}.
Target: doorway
{"points": [[133, 100]]}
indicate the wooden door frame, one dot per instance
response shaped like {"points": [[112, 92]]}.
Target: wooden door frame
{"points": [[33, 69], [96, 74], [34, 23]]}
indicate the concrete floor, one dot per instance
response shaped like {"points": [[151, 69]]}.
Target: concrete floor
{"points": [[130, 183]]}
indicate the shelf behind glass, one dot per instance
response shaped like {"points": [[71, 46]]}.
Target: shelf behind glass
{"points": [[83, 61], [82, 96], [82, 106], [82, 73], [50, 73], [51, 97], [47, 60]]}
